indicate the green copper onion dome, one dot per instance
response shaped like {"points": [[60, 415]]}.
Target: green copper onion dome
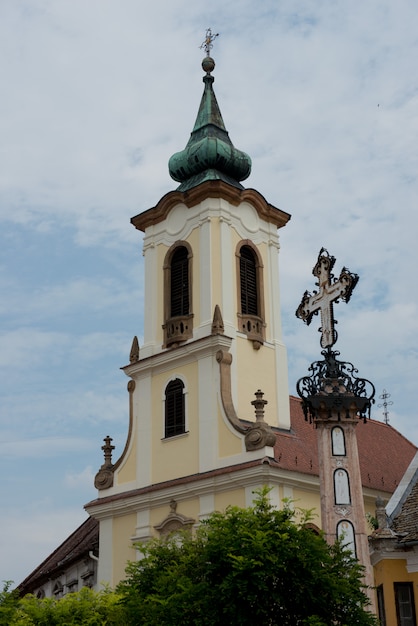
{"points": [[209, 154]]}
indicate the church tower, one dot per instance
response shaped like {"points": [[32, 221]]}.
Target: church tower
{"points": [[212, 350]]}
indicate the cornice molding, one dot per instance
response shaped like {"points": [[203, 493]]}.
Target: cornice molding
{"points": [[260, 473], [187, 352], [210, 189]]}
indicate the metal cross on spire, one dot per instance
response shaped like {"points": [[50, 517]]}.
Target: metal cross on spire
{"points": [[209, 38], [329, 291], [385, 395]]}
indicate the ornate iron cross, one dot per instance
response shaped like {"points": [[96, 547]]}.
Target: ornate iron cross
{"points": [[208, 43], [330, 291]]}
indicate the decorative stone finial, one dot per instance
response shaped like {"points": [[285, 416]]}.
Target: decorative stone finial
{"points": [[104, 477], [259, 434], [259, 405], [134, 353], [217, 322], [107, 449]]}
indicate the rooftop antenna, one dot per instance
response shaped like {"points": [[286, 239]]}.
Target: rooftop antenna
{"points": [[208, 43], [385, 395]]}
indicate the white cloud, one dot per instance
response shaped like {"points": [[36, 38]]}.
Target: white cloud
{"points": [[44, 447], [83, 479], [29, 534], [99, 95]]}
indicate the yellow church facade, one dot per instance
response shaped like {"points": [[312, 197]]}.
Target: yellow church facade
{"points": [[210, 419]]}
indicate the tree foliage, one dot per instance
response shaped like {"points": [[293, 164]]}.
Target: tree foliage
{"points": [[86, 607], [246, 566]]}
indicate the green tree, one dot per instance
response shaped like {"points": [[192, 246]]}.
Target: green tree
{"points": [[86, 607], [9, 600], [246, 566]]}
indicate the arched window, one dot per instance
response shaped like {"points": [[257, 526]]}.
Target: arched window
{"points": [[179, 288], [248, 281], [250, 292], [345, 533], [175, 413], [177, 295], [341, 487], [338, 441]]}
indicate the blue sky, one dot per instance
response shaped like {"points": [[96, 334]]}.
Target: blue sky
{"points": [[97, 95]]}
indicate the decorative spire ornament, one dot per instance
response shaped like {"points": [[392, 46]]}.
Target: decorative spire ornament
{"points": [[209, 153], [330, 291]]}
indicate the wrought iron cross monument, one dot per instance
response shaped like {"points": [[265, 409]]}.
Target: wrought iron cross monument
{"points": [[330, 291], [333, 398]]}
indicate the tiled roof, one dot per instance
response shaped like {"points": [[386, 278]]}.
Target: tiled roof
{"points": [[384, 453], [75, 547], [406, 523]]}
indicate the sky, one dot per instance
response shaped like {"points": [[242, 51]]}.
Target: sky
{"points": [[97, 95]]}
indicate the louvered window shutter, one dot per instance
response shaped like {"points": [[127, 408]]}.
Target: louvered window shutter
{"points": [[174, 409], [248, 278], [179, 283]]}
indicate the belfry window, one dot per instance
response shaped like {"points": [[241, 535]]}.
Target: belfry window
{"points": [[250, 293], [175, 410], [177, 295], [248, 281], [179, 289]]}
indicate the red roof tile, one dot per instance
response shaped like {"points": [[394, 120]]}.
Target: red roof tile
{"points": [[384, 453]]}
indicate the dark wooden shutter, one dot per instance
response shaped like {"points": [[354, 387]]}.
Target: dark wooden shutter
{"points": [[179, 283], [174, 408], [248, 279], [405, 605]]}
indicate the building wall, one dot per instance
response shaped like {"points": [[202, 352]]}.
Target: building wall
{"points": [[387, 573]]}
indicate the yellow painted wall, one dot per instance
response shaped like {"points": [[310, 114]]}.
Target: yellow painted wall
{"points": [[387, 572], [235, 497], [229, 443], [308, 500], [122, 550], [176, 456], [193, 240], [260, 375], [161, 253], [127, 471], [216, 268]]}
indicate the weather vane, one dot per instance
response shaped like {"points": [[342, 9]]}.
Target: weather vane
{"points": [[209, 38], [329, 291]]}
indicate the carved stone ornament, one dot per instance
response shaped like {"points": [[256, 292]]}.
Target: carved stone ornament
{"points": [[104, 477], [174, 521], [259, 434], [134, 353], [217, 322], [343, 511]]}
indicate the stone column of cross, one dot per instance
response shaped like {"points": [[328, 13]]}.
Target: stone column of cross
{"points": [[329, 291]]}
